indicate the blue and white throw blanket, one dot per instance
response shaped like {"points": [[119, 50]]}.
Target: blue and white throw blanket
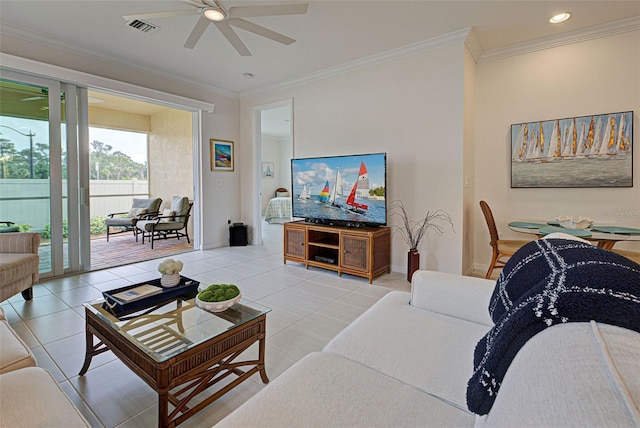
{"points": [[546, 283]]}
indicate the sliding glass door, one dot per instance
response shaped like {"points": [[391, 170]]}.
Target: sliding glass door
{"points": [[41, 188]]}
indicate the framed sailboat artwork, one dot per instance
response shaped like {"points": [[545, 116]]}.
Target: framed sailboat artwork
{"points": [[267, 169], [583, 151]]}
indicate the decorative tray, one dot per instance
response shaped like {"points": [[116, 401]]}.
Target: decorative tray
{"points": [[186, 287]]}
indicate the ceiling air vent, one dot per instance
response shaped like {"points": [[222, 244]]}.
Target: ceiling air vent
{"points": [[140, 25]]}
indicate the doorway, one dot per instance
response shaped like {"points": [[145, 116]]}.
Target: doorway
{"points": [[274, 150], [139, 149]]}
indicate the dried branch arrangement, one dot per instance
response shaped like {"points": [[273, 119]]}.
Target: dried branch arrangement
{"points": [[413, 231]]}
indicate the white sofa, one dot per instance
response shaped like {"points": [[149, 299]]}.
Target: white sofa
{"points": [[407, 360], [29, 396]]}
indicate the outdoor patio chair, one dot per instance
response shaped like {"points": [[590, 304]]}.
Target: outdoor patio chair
{"points": [[126, 221], [171, 224], [8, 227]]}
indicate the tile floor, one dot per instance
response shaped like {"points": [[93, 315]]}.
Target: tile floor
{"points": [[309, 307]]}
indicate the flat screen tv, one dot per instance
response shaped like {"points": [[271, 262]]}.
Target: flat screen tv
{"points": [[345, 190]]}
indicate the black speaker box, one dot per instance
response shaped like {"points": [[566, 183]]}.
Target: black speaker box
{"points": [[238, 235]]}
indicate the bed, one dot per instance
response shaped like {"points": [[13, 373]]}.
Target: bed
{"points": [[279, 208]]}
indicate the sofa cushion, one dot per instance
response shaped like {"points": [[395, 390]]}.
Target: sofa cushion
{"points": [[121, 221], [32, 398], [463, 297], [168, 214], [430, 351], [577, 374], [135, 212], [15, 266], [152, 205], [180, 205], [14, 353], [324, 390]]}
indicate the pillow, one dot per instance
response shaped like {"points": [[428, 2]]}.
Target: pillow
{"points": [[135, 212], [282, 194], [168, 214]]}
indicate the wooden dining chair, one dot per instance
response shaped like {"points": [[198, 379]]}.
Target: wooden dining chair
{"points": [[632, 255], [502, 248]]}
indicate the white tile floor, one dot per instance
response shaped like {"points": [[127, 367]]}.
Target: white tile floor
{"points": [[309, 307]]}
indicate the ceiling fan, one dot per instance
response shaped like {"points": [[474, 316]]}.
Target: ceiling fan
{"points": [[211, 12], [44, 96]]}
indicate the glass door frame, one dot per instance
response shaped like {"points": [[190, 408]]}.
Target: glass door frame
{"points": [[73, 129]]}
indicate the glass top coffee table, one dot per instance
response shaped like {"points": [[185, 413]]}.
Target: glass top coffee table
{"points": [[181, 350]]}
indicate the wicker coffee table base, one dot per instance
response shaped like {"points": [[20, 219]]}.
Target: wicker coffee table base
{"points": [[182, 377]]}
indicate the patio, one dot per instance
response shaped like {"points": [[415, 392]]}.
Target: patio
{"points": [[122, 250]]}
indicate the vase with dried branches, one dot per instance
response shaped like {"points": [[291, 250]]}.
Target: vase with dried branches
{"points": [[412, 231]]}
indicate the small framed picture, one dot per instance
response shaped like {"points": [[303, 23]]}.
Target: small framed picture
{"points": [[222, 156], [267, 169]]}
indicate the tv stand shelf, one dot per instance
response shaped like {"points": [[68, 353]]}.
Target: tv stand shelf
{"points": [[364, 252]]}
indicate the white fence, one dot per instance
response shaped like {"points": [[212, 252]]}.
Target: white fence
{"points": [[27, 201]]}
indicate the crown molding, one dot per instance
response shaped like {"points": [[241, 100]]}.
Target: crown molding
{"points": [[444, 40], [16, 63], [595, 32], [473, 45], [44, 40]]}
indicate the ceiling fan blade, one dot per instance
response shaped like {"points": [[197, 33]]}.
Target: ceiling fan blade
{"points": [[165, 14], [261, 31], [197, 32], [193, 3], [232, 37], [273, 10]]}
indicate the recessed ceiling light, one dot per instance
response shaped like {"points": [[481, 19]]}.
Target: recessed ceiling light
{"points": [[561, 17]]}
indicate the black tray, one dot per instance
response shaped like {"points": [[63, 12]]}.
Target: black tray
{"points": [[186, 287]]}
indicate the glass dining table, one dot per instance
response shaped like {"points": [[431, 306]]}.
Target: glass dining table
{"points": [[604, 236]]}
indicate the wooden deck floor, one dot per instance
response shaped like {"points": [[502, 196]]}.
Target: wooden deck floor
{"points": [[123, 249]]}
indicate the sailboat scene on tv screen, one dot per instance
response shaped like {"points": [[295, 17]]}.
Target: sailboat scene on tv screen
{"points": [[348, 188]]}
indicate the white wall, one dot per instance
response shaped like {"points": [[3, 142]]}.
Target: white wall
{"points": [[468, 163], [412, 109], [591, 77], [220, 190]]}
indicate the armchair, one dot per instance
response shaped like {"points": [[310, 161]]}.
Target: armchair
{"points": [[126, 221], [19, 262], [171, 224]]}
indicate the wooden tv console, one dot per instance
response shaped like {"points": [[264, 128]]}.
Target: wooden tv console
{"points": [[364, 251]]}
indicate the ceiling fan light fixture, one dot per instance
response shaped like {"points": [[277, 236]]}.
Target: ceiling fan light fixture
{"points": [[561, 17], [214, 14]]}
